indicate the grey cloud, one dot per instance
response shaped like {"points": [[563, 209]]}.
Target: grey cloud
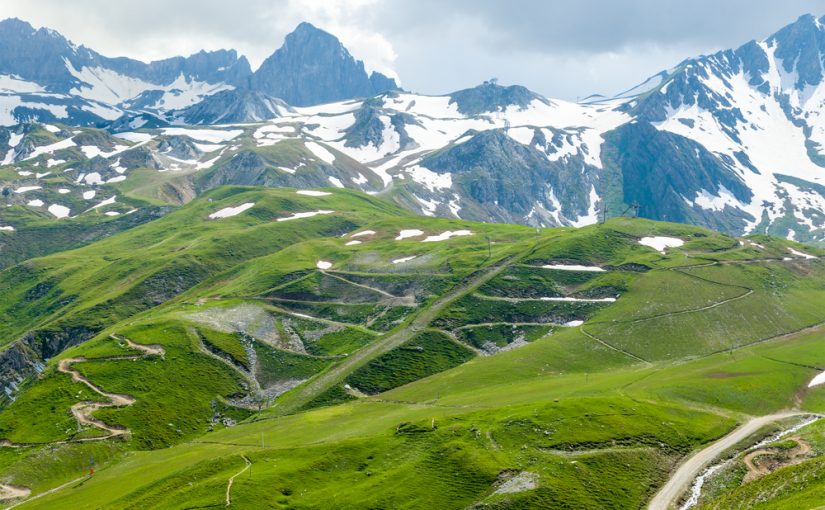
{"points": [[558, 48]]}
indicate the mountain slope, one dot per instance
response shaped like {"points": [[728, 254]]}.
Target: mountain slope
{"points": [[729, 141], [486, 352], [757, 109], [46, 77], [313, 67]]}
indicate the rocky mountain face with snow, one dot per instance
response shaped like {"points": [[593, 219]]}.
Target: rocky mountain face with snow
{"points": [[758, 111], [45, 77], [313, 67], [733, 140]]}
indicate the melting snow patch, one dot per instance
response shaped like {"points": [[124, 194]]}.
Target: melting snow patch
{"points": [[336, 182], [800, 254], [309, 214], [574, 267], [24, 189], [313, 193], [112, 213], [431, 180], [364, 233], [48, 149], [92, 178], [134, 137], [64, 191], [320, 152], [323, 264], [35, 203], [660, 243], [228, 212], [59, 211], [352, 243], [573, 324], [446, 235], [6, 228], [413, 232], [402, 260], [88, 195], [108, 201], [816, 381]]}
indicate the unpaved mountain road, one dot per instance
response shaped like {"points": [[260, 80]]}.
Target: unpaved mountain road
{"points": [[390, 341], [83, 411], [680, 481]]}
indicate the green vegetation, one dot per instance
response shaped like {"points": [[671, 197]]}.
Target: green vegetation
{"points": [[379, 397], [425, 354]]}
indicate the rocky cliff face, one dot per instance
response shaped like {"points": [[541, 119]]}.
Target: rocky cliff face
{"points": [[313, 67]]}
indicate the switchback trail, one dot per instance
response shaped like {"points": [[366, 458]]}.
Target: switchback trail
{"points": [[680, 480], [82, 411], [384, 344]]}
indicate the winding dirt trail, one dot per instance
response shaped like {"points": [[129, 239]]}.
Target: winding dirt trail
{"points": [[681, 479], [232, 480], [757, 469], [82, 411]]}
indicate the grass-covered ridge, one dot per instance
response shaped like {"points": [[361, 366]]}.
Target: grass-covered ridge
{"points": [[359, 372]]}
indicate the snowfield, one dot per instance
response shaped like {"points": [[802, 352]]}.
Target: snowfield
{"points": [[323, 264], [313, 193], [310, 214], [800, 254], [660, 243], [816, 381], [228, 212], [573, 267], [405, 234], [24, 189], [59, 211], [320, 152], [447, 235], [578, 300]]}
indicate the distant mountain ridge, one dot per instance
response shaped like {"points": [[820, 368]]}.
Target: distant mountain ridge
{"points": [[734, 141], [45, 77]]}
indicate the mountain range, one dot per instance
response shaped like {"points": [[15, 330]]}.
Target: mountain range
{"points": [[732, 141], [297, 287]]}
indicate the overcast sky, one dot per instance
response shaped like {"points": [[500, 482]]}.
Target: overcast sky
{"points": [[565, 49]]}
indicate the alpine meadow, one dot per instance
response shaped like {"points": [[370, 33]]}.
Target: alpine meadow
{"points": [[292, 283]]}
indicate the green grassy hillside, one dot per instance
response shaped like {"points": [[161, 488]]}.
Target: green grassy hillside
{"points": [[365, 358]]}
